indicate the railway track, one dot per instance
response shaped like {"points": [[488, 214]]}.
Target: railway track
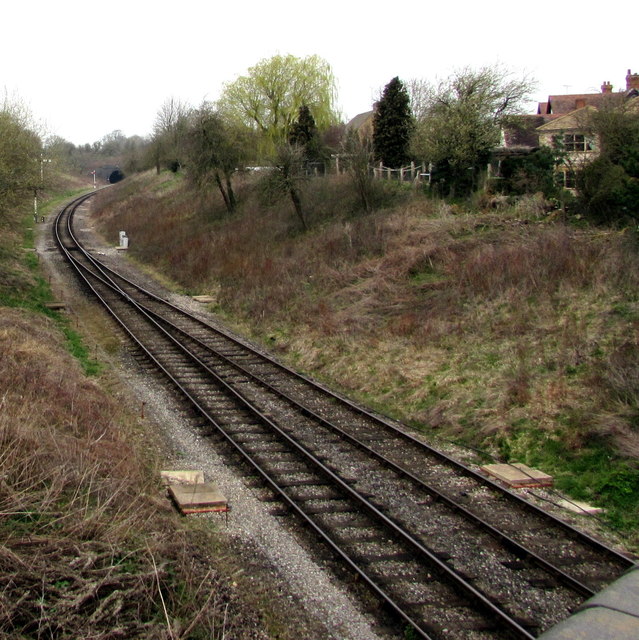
{"points": [[450, 553]]}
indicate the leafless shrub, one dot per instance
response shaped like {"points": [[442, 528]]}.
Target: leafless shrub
{"points": [[531, 207], [619, 425], [425, 286], [534, 263], [74, 506]]}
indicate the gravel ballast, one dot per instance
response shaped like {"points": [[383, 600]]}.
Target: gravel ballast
{"points": [[309, 593]]}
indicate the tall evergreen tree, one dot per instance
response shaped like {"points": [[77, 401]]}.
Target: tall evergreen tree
{"points": [[392, 125], [304, 134]]}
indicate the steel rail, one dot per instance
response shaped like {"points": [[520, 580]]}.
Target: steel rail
{"points": [[518, 549], [528, 506], [576, 533], [434, 562]]}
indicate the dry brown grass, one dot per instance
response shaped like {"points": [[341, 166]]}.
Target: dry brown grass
{"points": [[87, 549]]}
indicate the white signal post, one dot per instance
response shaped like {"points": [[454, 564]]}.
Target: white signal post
{"points": [[35, 191], [42, 161]]}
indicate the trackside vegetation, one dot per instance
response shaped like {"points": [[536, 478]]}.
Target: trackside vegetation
{"points": [[89, 547], [509, 330], [499, 314]]}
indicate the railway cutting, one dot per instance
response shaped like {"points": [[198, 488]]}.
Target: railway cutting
{"points": [[446, 551]]}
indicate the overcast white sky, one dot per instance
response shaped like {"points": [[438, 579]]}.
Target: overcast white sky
{"points": [[87, 68]]}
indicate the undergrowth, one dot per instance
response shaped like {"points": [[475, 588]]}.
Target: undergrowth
{"points": [[31, 291], [487, 327], [88, 547]]}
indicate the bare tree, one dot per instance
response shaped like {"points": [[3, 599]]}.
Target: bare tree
{"points": [[358, 153], [215, 150], [20, 153], [287, 177], [169, 132], [459, 120]]}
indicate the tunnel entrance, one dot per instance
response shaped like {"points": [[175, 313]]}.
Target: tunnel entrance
{"points": [[115, 176]]}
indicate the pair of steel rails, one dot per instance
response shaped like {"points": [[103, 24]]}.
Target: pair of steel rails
{"points": [[118, 293]]}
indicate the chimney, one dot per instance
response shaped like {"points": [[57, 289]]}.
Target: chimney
{"points": [[606, 87], [632, 81]]}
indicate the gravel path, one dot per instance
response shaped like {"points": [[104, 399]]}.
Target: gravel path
{"points": [[317, 601]]}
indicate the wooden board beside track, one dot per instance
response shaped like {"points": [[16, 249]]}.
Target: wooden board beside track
{"points": [[198, 498], [518, 474]]}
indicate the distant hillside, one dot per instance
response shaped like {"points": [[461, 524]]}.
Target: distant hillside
{"points": [[511, 330]]}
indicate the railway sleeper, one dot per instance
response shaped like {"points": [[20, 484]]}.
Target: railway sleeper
{"points": [[297, 482], [329, 506], [353, 534], [450, 621], [315, 491]]}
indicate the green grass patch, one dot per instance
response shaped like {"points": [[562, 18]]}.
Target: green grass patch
{"points": [[594, 472], [168, 180], [77, 348], [35, 296], [625, 311], [426, 276]]}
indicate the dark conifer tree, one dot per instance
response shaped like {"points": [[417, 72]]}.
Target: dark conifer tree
{"points": [[392, 125], [304, 134]]}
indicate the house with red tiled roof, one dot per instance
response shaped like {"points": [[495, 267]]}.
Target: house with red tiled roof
{"points": [[568, 120], [571, 133], [561, 104], [563, 121]]}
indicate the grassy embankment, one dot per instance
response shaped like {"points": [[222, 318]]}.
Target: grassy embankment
{"points": [[513, 331], [87, 547]]}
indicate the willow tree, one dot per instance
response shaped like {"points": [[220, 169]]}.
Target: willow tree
{"points": [[268, 98]]}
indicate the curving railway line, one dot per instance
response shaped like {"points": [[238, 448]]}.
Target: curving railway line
{"points": [[449, 553]]}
